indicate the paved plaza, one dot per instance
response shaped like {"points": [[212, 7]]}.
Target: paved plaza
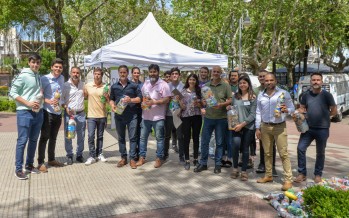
{"points": [[103, 190]]}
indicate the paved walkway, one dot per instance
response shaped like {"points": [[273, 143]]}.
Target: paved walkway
{"points": [[102, 190]]}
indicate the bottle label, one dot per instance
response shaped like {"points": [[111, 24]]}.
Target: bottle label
{"points": [[71, 128]]}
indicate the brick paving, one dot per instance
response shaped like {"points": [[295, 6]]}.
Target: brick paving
{"points": [[102, 190]]}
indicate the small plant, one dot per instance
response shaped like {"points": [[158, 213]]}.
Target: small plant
{"points": [[322, 201], [7, 105]]}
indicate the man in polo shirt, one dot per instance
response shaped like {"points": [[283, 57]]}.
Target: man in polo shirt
{"points": [[128, 92], [96, 116], [72, 100], [52, 84], [271, 126], [156, 93], [215, 120]]}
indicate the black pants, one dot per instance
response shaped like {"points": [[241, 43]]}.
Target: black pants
{"points": [[261, 154], [191, 127], [49, 132], [168, 130]]}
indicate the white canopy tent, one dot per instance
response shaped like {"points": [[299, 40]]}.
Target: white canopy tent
{"points": [[148, 44]]}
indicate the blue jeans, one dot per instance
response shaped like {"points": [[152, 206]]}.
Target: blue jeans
{"points": [[28, 126], [219, 126], [80, 119], [320, 135], [159, 127], [121, 123], [243, 139], [92, 125]]}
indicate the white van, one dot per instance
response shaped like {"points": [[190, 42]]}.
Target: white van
{"points": [[336, 84]]}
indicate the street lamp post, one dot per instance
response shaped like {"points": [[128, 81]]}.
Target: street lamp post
{"points": [[243, 21]]}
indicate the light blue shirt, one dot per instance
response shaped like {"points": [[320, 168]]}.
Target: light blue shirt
{"points": [[50, 85], [267, 104]]}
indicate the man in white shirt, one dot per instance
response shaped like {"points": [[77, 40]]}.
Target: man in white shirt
{"points": [[72, 101]]}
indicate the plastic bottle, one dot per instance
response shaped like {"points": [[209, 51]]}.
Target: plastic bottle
{"points": [[301, 122], [57, 96], [280, 102], [105, 90], [194, 98], [207, 94], [233, 118], [71, 128], [38, 98], [174, 104], [120, 107], [271, 196], [144, 106]]}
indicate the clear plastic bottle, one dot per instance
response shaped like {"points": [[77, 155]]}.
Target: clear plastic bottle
{"points": [[120, 107], [301, 122], [105, 91], [71, 128], [57, 96], [233, 118], [38, 98], [146, 96], [280, 102]]}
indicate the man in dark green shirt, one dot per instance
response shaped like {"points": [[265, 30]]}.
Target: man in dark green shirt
{"points": [[215, 120]]}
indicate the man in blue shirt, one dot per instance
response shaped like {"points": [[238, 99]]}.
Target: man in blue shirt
{"points": [[127, 93], [52, 85]]}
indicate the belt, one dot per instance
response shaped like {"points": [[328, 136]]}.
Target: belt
{"points": [[274, 124], [79, 112]]}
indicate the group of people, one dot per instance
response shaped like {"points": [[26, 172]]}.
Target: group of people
{"points": [[169, 107]]}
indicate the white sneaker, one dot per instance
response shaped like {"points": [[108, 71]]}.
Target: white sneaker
{"points": [[102, 158], [90, 161]]}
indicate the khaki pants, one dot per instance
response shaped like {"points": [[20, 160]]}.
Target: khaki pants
{"points": [[279, 134]]}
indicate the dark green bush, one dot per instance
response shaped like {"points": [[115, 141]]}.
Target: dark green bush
{"points": [[320, 201], [7, 105]]}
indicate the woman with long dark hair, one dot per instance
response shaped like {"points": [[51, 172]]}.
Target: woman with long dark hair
{"points": [[191, 117], [245, 103]]}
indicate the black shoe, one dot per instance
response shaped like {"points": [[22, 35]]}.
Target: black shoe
{"points": [[260, 169], [187, 165], [80, 159], [226, 163], [69, 161], [250, 164], [195, 162], [175, 148], [181, 160], [217, 169], [20, 175], [165, 157], [240, 164], [31, 169], [275, 174], [200, 168]]}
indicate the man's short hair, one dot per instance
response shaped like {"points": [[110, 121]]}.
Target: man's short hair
{"points": [[263, 71], [315, 74], [167, 72], [175, 69], [57, 61], [98, 69], [154, 67], [123, 66], [35, 57], [78, 68], [272, 75]]}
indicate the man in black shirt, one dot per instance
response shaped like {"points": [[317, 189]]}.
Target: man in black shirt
{"points": [[129, 95], [319, 106]]}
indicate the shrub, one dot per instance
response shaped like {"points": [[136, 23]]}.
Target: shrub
{"points": [[321, 201], [3, 90], [7, 105]]}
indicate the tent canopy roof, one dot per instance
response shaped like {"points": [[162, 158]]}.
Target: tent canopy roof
{"points": [[150, 44]]}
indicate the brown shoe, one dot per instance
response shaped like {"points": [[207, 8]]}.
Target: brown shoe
{"points": [[265, 179], [141, 161], [42, 168], [286, 186], [55, 163], [234, 174], [244, 176], [158, 163], [133, 164], [122, 162], [300, 178], [317, 179]]}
